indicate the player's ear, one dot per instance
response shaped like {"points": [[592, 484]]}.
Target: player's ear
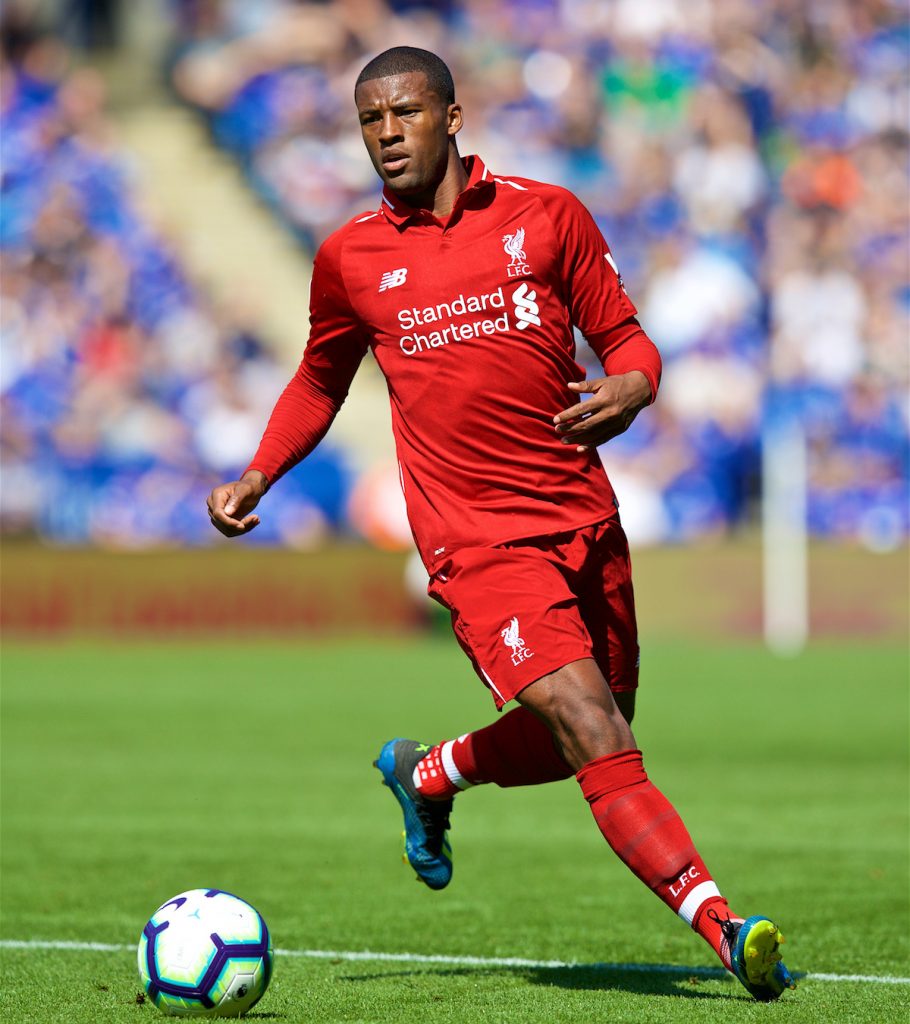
{"points": [[455, 118]]}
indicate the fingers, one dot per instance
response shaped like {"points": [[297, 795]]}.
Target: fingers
{"points": [[234, 527], [582, 409], [610, 411], [593, 420], [223, 505], [593, 437], [586, 426], [587, 432], [572, 413]]}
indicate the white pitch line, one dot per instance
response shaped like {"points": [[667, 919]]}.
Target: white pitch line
{"points": [[458, 961], [64, 944]]}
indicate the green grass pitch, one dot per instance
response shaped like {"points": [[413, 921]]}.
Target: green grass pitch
{"points": [[134, 771]]}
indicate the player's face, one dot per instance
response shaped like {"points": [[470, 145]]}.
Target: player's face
{"points": [[407, 129]]}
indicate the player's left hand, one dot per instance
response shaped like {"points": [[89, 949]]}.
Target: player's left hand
{"points": [[615, 402]]}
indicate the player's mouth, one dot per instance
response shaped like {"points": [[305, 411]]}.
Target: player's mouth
{"points": [[394, 161]]}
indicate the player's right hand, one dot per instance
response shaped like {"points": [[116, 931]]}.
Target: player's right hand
{"points": [[230, 504]]}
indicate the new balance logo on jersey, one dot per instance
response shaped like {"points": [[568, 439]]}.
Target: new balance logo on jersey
{"points": [[511, 638], [514, 247], [526, 309], [393, 278]]}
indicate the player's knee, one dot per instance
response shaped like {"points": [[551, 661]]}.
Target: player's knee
{"points": [[589, 727], [578, 706], [595, 723]]}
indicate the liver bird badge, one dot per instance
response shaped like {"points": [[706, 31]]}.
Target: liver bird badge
{"points": [[514, 247]]}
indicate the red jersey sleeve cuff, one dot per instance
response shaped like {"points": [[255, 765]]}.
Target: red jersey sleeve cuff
{"points": [[627, 348]]}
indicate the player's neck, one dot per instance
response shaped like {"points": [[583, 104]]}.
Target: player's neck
{"points": [[440, 200]]}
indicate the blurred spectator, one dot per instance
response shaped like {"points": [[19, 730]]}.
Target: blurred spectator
{"points": [[125, 394], [91, 24]]}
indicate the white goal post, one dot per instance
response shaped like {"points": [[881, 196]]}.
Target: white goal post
{"points": [[785, 546]]}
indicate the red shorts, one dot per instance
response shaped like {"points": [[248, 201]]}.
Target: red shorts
{"points": [[527, 608]]}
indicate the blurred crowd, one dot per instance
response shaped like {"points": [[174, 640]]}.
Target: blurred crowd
{"points": [[126, 393], [746, 159]]}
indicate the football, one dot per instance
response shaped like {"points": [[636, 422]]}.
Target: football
{"points": [[205, 953]]}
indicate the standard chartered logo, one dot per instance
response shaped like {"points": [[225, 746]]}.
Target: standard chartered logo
{"points": [[526, 309], [464, 317]]}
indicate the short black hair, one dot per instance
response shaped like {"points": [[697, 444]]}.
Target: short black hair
{"points": [[402, 59]]}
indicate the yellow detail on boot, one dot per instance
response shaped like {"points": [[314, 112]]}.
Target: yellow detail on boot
{"points": [[761, 951]]}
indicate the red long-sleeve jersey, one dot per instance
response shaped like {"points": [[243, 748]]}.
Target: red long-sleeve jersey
{"points": [[471, 323]]}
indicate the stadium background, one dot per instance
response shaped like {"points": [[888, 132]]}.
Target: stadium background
{"points": [[167, 170], [747, 161]]}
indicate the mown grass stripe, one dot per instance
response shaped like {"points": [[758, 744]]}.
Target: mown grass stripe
{"points": [[460, 961]]}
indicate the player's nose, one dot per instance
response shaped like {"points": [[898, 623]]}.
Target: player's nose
{"points": [[390, 130]]}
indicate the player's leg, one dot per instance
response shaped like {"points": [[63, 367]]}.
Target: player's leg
{"points": [[531, 581], [493, 594], [642, 826], [516, 750], [607, 607]]}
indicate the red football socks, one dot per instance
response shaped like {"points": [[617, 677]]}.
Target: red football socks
{"points": [[636, 819], [649, 837], [516, 750]]}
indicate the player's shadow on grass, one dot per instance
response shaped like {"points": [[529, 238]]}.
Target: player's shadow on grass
{"points": [[645, 981], [654, 981]]}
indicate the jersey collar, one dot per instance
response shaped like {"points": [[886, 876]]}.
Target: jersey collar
{"points": [[479, 179]]}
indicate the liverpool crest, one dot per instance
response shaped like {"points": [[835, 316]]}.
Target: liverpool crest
{"points": [[512, 639], [514, 247]]}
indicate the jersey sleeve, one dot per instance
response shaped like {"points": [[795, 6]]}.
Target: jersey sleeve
{"points": [[308, 405], [594, 293]]}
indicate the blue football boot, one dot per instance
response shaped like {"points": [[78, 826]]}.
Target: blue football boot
{"points": [[755, 958], [426, 845]]}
